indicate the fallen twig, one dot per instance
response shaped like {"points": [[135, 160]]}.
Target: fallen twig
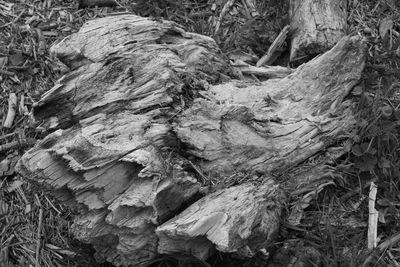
{"points": [[225, 9], [199, 172], [266, 71], [267, 59], [39, 232], [393, 259], [6, 72], [7, 135], [17, 144], [15, 20]]}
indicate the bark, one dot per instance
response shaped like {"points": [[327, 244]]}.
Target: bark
{"points": [[316, 26], [161, 152]]}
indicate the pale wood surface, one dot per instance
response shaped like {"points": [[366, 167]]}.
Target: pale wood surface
{"points": [[316, 26]]}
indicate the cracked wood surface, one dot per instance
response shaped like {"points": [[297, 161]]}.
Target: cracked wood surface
{"points": [[233, 220], [143, 99], [316, 26]]}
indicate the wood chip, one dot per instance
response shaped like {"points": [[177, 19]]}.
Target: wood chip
{"points": [[12, 104], [373, 218]]}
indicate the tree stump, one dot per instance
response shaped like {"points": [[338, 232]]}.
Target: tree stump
{"points": [[316, 26], [99, 3], [161, 151]]}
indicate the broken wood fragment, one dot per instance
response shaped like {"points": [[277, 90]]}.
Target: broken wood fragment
{"points": [[269, 72], [12, 105], [241, 219], [372, 218]]}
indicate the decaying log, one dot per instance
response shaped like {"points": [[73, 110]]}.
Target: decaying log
{"points": [[149, 113], [316, 26]]}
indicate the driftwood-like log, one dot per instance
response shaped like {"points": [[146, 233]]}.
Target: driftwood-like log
{"points": [[148, 119], [316, 26]]}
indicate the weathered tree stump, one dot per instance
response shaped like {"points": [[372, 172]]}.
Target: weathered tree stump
{"points": [[99, 3], [316, 26], [149, 119]]}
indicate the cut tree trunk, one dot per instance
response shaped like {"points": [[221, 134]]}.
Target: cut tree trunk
{"points": [[162, 152], [316, 26]]}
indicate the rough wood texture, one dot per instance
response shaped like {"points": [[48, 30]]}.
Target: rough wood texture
{"points": [[139, 129], [114, 156], [316, 26], [277, 123], [233, 219], [262, 72]]}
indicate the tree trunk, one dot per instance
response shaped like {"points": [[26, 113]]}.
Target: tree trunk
{"points": [[316, 26], [99, 3], [162, 152]]}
